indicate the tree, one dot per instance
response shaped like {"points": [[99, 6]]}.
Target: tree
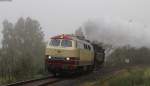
{"points": [[7, 60], [130, 55], [23, 48]]}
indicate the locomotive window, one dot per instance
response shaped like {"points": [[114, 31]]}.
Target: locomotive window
{"points": [[55, 42], [89, 47], [80, 45], [66, 43], [84, 46]]}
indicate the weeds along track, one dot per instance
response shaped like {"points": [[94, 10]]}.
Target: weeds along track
{"points": [[37, 82], [46, 81], [111, 72]]}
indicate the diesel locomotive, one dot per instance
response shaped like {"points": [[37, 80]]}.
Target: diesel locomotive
{"points": [[69, 53]]}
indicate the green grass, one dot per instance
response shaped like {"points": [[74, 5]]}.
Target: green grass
{"points": [[137, 76], [6, 80]]}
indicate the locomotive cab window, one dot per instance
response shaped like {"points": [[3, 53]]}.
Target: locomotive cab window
{"points": [[54, 42], [66, 43]]}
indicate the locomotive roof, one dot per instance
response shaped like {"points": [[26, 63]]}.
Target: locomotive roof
{"points": [[70, 37]]}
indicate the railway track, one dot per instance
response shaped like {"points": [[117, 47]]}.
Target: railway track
{"points": [[46, 81], [37, 82]]}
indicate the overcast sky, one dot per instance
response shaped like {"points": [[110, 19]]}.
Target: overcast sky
{"points": [[64, 16]]}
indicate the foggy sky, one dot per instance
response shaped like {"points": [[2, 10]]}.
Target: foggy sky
{"points": [[64, 16], [118, 32]]}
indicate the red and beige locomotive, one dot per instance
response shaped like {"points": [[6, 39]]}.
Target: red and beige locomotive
{"points": [[70, 53]]}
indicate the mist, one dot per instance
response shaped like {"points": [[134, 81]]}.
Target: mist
{"points": [[118, 32]]}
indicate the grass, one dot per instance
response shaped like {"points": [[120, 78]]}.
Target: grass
{"points": [[6, 80], [136, 76]]}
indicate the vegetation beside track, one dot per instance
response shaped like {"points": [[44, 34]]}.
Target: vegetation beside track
{"points": [[22, 51], [134, 76]]}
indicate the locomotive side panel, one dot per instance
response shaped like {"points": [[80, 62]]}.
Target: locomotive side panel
{"points": [[86, 53], [86, 57]]}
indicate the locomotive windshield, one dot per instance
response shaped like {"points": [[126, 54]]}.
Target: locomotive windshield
{"points": [[66, 43], [55, 42], [59, 42]]}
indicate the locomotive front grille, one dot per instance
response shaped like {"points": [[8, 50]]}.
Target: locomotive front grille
{"points": [[57, 58]]}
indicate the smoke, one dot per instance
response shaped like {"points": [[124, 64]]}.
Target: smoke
{"points": [[118, 32]]}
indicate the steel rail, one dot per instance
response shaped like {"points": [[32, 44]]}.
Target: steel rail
{"points": [[31, 81]]}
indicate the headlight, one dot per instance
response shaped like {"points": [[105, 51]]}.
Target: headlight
{"points": [[49, 57], [67, 58]]}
